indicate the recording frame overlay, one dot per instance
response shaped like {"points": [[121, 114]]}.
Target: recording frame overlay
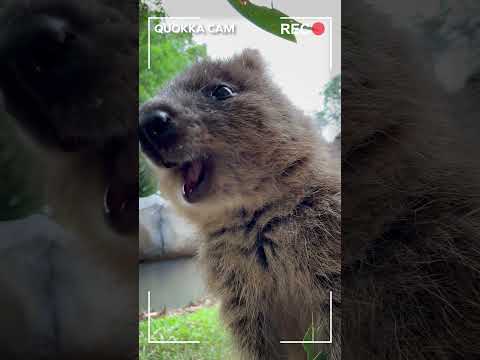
{"points": [[149, 337], [328, 18]]}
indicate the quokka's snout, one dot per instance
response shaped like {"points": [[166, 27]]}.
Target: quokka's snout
{"points": [[157, 134], [166, 139]]}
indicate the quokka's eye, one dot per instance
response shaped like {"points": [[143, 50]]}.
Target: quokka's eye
{"points": [[222, 92]]}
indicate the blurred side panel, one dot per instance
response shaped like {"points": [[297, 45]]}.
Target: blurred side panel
{"points": [[410, 183], [69, 179]]}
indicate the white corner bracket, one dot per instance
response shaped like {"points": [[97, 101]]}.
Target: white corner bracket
{"points": [[149, 335]]}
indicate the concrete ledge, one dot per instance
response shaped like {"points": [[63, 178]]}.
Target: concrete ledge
{"points": [[163, 234]]}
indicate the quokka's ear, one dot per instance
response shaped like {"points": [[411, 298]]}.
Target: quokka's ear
{"points": [[250, 59]]}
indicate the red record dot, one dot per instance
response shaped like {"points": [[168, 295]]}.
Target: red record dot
{"points": [[318, 28]]}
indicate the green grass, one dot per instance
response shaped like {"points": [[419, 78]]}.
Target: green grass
{"points": [[203, 325]]}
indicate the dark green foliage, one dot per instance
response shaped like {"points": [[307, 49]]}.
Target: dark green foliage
{"points": [[147, 184]]}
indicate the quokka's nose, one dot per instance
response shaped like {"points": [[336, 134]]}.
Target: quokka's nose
{"points": [[157, 132]]}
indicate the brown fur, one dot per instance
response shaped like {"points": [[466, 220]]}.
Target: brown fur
{"points": [[410, 221], [271, 219]]}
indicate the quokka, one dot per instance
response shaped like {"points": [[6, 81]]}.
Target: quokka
{"points": [[242, 163]]}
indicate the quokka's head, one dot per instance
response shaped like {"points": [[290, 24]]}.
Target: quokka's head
{"points": [[222, 134]]}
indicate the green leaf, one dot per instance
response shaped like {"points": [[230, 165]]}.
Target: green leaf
{"points": [[268, 19]]}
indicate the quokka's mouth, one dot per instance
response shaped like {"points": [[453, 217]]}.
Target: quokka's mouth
{"points": [[196, 175]]}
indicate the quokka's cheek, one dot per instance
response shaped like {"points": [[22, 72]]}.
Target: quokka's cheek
{"points": [[169, 183]]}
